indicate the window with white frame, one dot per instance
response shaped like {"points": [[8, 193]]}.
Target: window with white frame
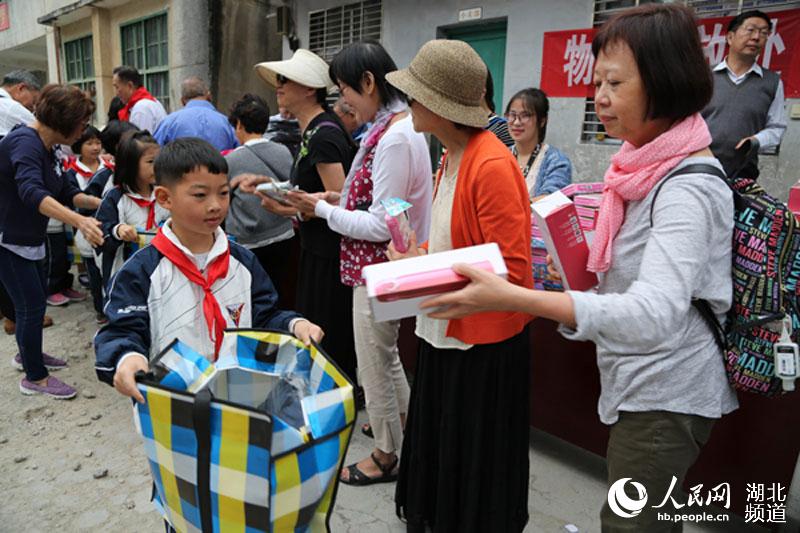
{"points": [[145, 46], [330, 30]]}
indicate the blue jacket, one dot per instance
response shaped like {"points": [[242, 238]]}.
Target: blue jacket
{"points": [[197, 119], [115, 209], [151, 303], [555, 172], [28, 174]]}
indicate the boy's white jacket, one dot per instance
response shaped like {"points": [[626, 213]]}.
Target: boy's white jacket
{"points": [[151, 303]]}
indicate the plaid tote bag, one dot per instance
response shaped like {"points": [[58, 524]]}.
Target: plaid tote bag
{"points": [[253, 442]]}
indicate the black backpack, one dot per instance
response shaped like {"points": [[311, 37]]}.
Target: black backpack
{"points": [[766, 268]]}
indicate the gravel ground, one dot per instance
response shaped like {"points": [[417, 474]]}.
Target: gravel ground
{"points": [[78, 465]]}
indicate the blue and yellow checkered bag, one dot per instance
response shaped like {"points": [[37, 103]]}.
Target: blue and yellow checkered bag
{"points": [[253, 442]]}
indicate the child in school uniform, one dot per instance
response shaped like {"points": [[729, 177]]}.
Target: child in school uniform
{"points": [[103, 180], [58, 260], [130, 207], [81, 171], [190, 282]]}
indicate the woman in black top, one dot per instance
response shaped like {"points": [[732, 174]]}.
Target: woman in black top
{"points": [[320, 166], [33, 187]]}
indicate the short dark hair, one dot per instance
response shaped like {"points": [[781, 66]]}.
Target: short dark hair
{"points": [[131, 147], [739, 19], [89, 133], [112, 133], [534, 101], [126, 73], [114, 108], [184, 155], [252, 112], [63, 108], [488, 96], [668, 54], [351, 64]]}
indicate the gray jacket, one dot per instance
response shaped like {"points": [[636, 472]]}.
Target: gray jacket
{"points": [[654, 351], [252, 225]]}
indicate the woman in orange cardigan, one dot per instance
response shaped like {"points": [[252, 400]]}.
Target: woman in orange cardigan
{"points": [[464, 462]]}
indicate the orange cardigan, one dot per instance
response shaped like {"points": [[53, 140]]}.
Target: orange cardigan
{"points": [[491, 204]]}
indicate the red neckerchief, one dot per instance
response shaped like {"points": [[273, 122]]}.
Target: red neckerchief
{"points": [[151, 209], [218, 269], [139, 94], [72, 164]]}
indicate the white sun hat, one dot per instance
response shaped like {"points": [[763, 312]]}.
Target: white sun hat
{"points": [[305, 67]]}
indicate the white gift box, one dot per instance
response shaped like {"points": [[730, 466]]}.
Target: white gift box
{"points": [[397, 288]]}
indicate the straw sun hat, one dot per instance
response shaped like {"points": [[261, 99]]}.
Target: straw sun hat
{"points": [[449, 78], [305, 68]]}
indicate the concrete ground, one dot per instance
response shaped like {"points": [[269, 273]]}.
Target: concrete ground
{"points": [[79, 465]]}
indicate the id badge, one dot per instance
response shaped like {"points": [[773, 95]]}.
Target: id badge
{"points": [[787, 360]]}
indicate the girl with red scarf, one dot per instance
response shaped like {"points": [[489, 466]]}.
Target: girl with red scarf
{"points": [[130, 208]]}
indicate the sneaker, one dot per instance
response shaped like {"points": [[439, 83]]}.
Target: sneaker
{"points": [[50, 362], [101, 319], [83, 279], [57, 299], [73, 295], [53, 387]]}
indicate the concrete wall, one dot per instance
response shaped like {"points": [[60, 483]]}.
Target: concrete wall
{"points": [[23, 44], [407, 25], [23, 26], [188, 28], [246, 36]]}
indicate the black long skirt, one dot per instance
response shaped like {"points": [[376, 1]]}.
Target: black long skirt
{"points": [[324, 300], [464, 464]]}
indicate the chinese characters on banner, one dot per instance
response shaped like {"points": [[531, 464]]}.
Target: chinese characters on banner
{"points": [[568, 63]]}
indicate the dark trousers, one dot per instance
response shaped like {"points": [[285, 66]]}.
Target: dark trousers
{"points": [[95, 283], [650, 448], [26, 283], [279, 260], [6, 305], [57, 262]]}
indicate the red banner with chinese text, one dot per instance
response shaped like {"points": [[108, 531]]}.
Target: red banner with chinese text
{"points": [[568, 64]]}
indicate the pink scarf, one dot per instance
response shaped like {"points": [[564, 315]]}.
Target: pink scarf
{"points": [[634, 172]]}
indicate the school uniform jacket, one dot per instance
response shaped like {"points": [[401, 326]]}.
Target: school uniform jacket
{"points": [[81, 177], [151, 303], [118, 208]]}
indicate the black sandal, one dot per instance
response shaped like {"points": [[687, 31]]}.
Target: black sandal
{"points": [[359, 479], [366, 429]]}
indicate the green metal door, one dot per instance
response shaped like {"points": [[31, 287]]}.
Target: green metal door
{"points": [[489, 41]]}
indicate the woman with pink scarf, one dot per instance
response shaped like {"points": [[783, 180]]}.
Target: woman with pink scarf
{"points": [[663, 382]]}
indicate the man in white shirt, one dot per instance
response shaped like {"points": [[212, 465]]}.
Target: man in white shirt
{"points": [[141, 108], [19, 92], [746, 113]]}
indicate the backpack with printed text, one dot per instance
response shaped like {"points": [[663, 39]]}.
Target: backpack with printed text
{"points": [[766, 268]]}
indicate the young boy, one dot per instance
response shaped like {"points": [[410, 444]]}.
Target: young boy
{"points": [[190, 283]]}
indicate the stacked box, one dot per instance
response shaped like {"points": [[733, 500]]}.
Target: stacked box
{"points": [[587, 207], [541, 279]]}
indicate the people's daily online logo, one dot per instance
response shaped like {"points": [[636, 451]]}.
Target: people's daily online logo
{"points": [[623, 505], [766, 503]]}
